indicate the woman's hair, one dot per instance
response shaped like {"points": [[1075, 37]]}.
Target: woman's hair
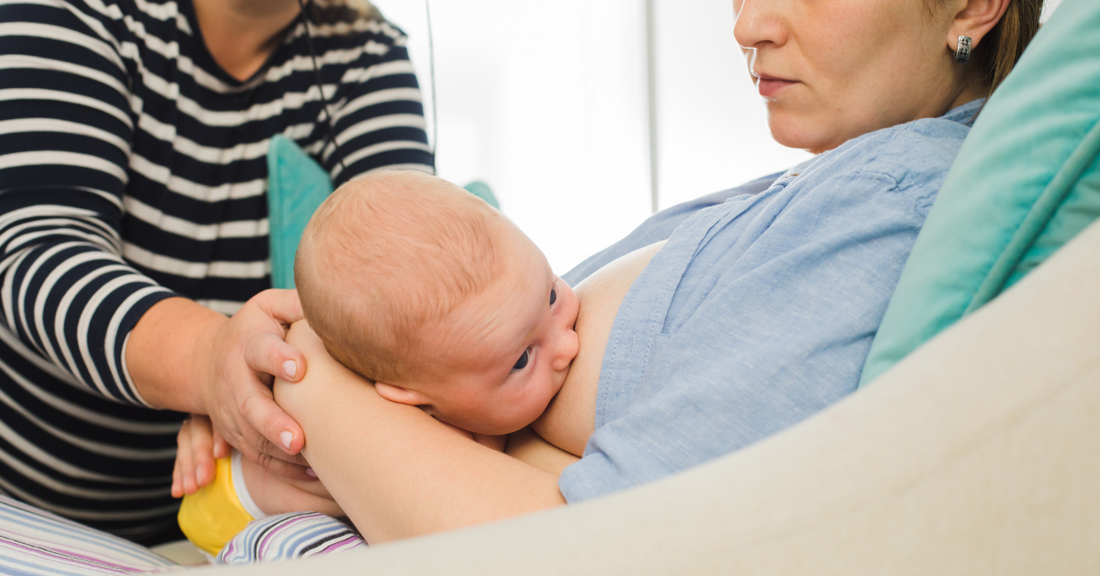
{"points": [[332, 11], [364, 8], [999, 51]]}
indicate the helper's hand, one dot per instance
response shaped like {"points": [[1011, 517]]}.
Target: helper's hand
{"points": [[197, 448], [237, 360]]}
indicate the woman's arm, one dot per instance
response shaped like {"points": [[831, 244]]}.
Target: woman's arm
{"points": [[377, 110], [395, 470], [70, 298]]}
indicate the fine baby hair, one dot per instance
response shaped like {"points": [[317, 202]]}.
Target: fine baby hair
{"points": [[387, 256]]}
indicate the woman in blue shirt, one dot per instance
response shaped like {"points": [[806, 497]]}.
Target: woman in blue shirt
{"points": [[757, 312]]}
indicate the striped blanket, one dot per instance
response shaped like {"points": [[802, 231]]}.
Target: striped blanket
{"points": [[35, 542]]}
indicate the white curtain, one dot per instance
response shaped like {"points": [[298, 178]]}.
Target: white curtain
{"points": [[548, 104]]}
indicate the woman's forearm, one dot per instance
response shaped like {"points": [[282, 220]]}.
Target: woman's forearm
{"points": [[161, 349], [396, 471]]}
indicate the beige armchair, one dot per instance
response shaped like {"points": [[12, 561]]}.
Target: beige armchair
{"points": [[978, 454]]}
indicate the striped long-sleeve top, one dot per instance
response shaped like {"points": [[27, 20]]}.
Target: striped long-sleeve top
{"points": [[132, 168]]}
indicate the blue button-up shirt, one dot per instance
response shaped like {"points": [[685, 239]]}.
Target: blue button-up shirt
{"points": [[760, 311]]}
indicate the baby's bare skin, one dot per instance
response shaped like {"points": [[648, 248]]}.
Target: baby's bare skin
{"points": [[559, 436], [570, 418]]}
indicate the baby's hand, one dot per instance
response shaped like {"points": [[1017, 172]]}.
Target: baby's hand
{"points": [[196, 448], [276, 494]]}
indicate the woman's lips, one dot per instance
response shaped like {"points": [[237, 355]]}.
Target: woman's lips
{"points": [[769, 86]]}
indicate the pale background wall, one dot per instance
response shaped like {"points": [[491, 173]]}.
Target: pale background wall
{"points": [[548, 103]]}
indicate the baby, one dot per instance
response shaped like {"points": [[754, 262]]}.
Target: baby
{"points": [[435, 296]]}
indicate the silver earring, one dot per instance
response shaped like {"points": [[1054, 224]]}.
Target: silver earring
{"points": [[962, 53]]}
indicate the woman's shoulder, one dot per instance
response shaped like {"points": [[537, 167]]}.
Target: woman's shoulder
{"points": [[924, 145], [95, 17], [345, 30], [910, 159]]}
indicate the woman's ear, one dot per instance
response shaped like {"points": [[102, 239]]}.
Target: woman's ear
{"points": [[974, 18], [400, 395]]}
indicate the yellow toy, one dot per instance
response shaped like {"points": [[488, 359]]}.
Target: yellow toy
{"points": [[218, 511]]}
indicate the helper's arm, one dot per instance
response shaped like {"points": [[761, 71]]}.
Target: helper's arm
{"points": [[395, 470], [70, 304]]}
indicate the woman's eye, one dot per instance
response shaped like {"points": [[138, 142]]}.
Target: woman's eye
{"points": [[522, 362], [553, 296]]}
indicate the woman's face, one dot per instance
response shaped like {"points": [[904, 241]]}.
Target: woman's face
{"points": [[831, 70]]}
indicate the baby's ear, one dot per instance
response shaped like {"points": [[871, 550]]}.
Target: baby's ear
{"points": [[400, 395]]}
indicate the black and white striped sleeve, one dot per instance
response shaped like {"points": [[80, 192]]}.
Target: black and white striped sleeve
{"points": [[66, 295], [378, 110]]}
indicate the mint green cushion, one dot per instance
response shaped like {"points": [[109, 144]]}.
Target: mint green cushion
{"points": [[1025, 182], [483, 191], [296, 186]]}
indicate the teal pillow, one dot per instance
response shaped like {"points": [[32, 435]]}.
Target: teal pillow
{"points": [[1026, 180], [296, 186], [483, 191]]}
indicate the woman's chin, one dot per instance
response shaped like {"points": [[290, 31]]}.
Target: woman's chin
{"points": [[793, 133], [811, 145]]}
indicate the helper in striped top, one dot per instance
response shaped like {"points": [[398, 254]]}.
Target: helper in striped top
{"points": [[132, 173]]}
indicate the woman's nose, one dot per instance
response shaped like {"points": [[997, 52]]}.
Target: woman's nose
{"points": [[757, 23]]}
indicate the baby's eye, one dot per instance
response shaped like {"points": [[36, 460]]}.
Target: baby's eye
{"points": [[553, 296], [522, 362]]}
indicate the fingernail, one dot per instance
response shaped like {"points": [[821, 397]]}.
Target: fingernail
{"points": [[290, 368], [311, 473], [287, 437], [199, 473]]}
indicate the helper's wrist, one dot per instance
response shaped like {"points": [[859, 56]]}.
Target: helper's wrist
{"points": [[205, 359], [162, 354]]}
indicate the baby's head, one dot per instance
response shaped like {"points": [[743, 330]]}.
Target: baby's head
{"points": [[424, 288]]}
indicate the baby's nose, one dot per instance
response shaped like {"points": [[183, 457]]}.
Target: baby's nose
{"points": [[568, 346]]}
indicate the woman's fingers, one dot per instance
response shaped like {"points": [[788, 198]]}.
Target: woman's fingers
{"points": [[183, 458], [288, 470], [267, 419], [194, 466], [282, 305], [268, 354], [202, 449], [240, 359], [177, 480]]}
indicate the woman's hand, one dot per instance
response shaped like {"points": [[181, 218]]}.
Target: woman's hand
{"points": [[237, 361], [186, 357], [197, 446]]}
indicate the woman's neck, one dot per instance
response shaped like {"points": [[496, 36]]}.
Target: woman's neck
{"points": [[242, 34]]}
